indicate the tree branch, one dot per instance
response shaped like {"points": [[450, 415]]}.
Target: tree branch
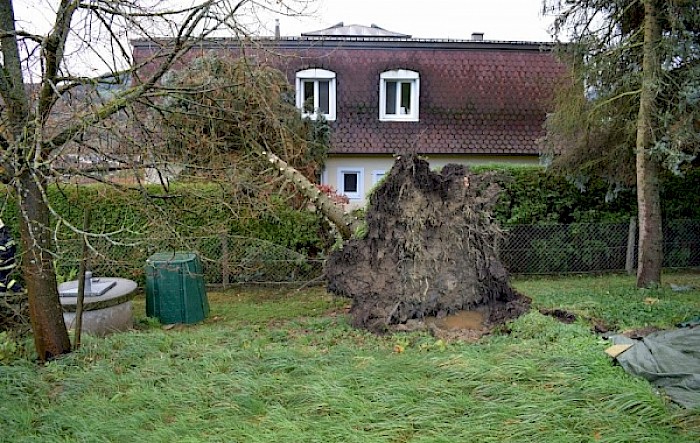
{"points": [[53, 48], [179, 46]]}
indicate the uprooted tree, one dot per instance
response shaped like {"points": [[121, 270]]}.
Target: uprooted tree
{"points": [[430, 246], [429, 249], [431, 243]]}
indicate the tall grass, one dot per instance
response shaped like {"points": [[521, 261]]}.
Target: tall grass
{"points": [[285, 366]]}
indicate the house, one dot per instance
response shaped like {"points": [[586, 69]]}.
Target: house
{"points": [[385, 93]]}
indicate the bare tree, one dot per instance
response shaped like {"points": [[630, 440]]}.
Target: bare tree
{"points": [[47, 113]]}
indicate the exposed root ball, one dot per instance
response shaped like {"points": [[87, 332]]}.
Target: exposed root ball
{"points": [[429, 250]]}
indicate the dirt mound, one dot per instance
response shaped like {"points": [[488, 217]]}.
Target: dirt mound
{"points": [[559, 314], [429, 250]]}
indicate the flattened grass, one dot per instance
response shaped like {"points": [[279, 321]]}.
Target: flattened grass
{"points": [[285, 366]]}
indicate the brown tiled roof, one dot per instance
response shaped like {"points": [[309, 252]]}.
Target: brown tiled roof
{"points": [[476, 97]]}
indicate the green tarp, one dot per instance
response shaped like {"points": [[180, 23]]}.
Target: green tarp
{"points": [[670, 360]]}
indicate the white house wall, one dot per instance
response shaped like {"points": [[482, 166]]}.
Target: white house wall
{"points": [[370, 167]]}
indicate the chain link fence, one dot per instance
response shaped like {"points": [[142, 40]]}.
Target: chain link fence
{"points": [[593, 247], [526, 249], [226, 259]]}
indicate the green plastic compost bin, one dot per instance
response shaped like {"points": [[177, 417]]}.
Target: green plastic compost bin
{"points": [[175, 288]]}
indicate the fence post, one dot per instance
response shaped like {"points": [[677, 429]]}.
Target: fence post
{"points": [[224, 260], [631, 244]]}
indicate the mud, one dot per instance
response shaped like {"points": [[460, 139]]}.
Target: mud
{"points": [[461, 320], [559, 314]]}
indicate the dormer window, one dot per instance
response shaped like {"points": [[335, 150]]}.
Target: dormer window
{"points": [[315, 90], [398, 95]]}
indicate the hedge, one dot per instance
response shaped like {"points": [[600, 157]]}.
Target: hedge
{"points": [[194, 215], [530, 196]]}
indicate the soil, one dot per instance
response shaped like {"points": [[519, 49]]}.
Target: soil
{"points": [[429, 252], [559, 314], [640, 333], [598, 326]]}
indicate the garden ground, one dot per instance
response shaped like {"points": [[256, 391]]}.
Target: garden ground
{"points": [[280, 365]]}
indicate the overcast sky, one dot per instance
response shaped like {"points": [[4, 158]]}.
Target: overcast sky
{"points": [[505, 20], [516, 20]]}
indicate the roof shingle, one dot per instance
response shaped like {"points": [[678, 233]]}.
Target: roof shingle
{"points": [[476, 97], [484, 99]]}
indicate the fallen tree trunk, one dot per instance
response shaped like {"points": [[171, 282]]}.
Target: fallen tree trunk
{"points": [[344, 222]]}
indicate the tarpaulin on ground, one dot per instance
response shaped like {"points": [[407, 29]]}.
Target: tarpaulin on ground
{"points": [[670, 360]]}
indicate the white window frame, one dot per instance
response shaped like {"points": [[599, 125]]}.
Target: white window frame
{"points": [[400, 76], [357, 195], [377, 175], [315, 75]]}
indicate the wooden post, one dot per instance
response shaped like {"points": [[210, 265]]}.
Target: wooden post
{"points": [[224, 261], [631, 246]]}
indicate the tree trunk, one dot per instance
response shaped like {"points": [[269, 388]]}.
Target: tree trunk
{"points": [[50, 334], [650, 254], [346, 223]]}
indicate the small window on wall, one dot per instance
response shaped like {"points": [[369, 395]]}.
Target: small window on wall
{"points": [[398, 95], [377, 176], [350, 183], [315, 91]]}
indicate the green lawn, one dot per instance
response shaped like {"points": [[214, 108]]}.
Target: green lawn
{"points": [[285, 366]]}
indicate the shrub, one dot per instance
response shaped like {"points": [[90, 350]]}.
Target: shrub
{"points": [[531, 195]]}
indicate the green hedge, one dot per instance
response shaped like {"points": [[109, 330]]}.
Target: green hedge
{"points": [[530, 196], [199, 210], [187, 217], [533, 196]]}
